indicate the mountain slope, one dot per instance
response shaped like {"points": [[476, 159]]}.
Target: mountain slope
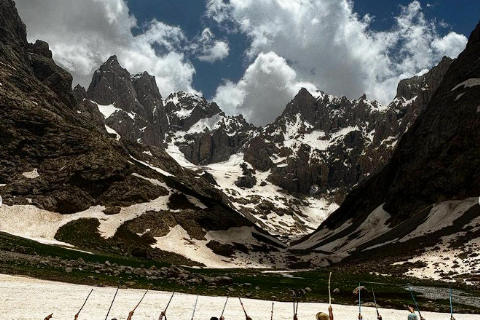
{"points": [[428, 190], [131, 105], [288, 176], [65, 176]]}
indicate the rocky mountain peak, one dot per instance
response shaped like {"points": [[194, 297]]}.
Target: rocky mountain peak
{"points": [[147, 91], [302, 103], [474, 37], [13, 32], [112, 64], [79, 92], [41, 48], [185, 109], [56, 159], [142, 117], [434, 165]]}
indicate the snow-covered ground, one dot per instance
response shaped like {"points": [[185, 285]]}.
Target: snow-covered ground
{"points": [[314, 210], [26, 298], [30, 222]]}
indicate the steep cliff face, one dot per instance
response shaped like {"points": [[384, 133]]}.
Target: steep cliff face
{"points": [[66, 175], [414, 94], [132, 105], [427, 194], [202, 132], [323, 144]]}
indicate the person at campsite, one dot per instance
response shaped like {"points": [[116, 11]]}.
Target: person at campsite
{"points": [[324, 316]]}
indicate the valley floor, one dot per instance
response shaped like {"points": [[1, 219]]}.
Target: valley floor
{"points": [[27, 298]]}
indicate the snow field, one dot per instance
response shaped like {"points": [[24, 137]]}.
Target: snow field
{"points": [[27, 299]]}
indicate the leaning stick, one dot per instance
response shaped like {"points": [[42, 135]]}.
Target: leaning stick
{"points": [[83, 305], [164, 313], [224, 306], [415, 301], [194, 308], [329, 292], [359, 301], [246, 315], [111, 304], [140, 301], [375, 300]]}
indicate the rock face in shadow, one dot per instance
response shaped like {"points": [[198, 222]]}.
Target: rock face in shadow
{"points": [[202, 132], [436, 160], [139, 112], [322, 145], [326, 144], [59, 153]]}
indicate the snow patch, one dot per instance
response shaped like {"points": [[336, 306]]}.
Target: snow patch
{"points": [[31, 174], [111, 131], [178, 155], [31, 222], [197, 203], [107, 110], [441, 216], [179, 241], [201, 125], [161, 171], [468, 83], [27, 300]]}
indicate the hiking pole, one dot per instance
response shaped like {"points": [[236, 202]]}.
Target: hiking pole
{"points": [[139, 302], [164, 312], [83, 305], [246, 315], [294, 306], [224, 306], [329, 293], [416, 304], [194, 308], [294, 299], [451, 304], [111, 304], [271, 317], [296, 310], [376, 307], [359, 302]]}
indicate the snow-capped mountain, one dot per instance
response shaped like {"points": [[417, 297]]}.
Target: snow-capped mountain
{"points": [[288, 176], [131, 105], [69, 177], [422, 207], [201, 131]]}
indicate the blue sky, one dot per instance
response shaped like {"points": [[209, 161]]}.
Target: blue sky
{"points": [[460, 15], [189, 16], [253, 56]]}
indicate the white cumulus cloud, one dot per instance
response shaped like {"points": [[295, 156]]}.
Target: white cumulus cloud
{"points": [[83, 34], [325, 44], [268, 82], [207, 49]]}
